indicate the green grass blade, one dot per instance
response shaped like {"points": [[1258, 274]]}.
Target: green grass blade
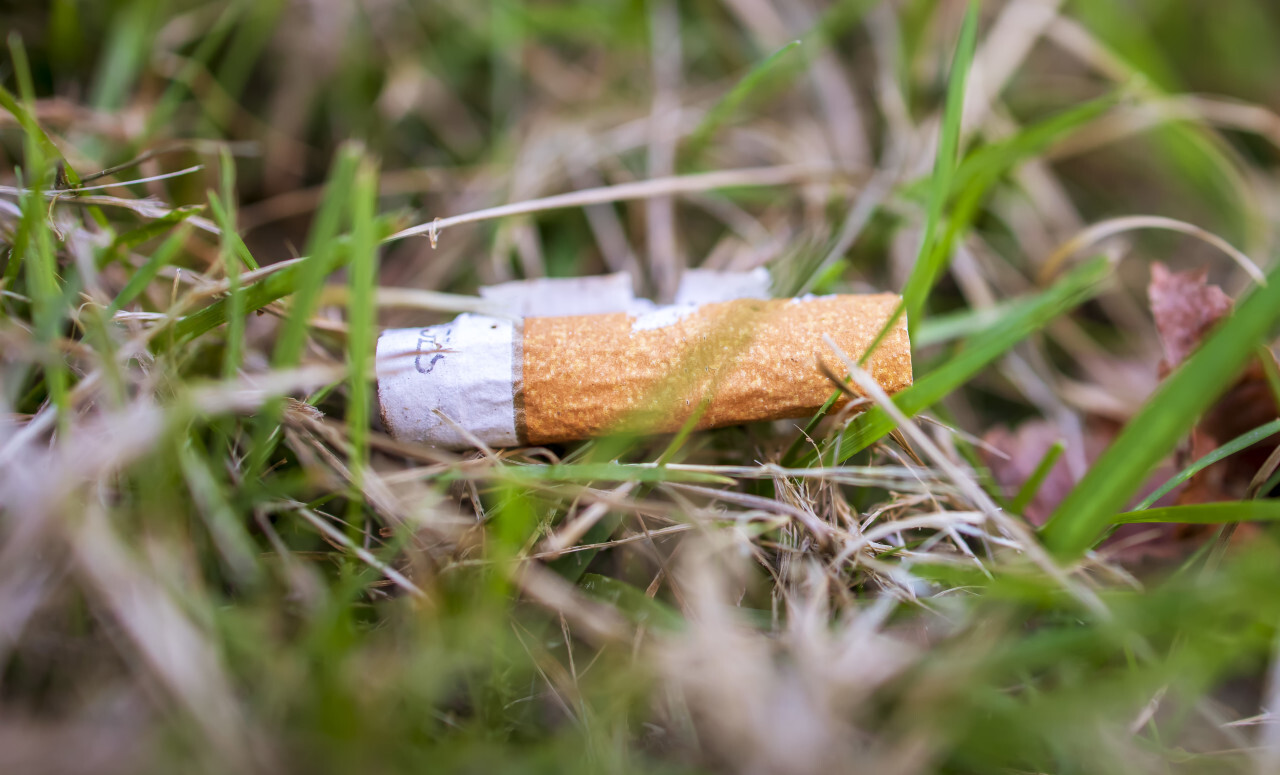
{"points": [[1166, 418], [124, 53], [234, 244], [274, 286], [30, 127], [1080, 284], [18, 245], [929, 263], [1272, 369], [229, 536], [633, 603], [244, 50], [47, 299], [759, 75], [39, 260], [1200, 161], [150, 230], [972, 181], [940, 329], [309, 277], [235, 300], [140, 279], [66, 36], [924, 273], [1226, 450], [792, 456], [361, 316], [321, 245], [66, 174], [1033, 483], [678, 441], [182, 82], [1268, 486], [985, 165], [768, 77], [236, 323], [1205, 513]]}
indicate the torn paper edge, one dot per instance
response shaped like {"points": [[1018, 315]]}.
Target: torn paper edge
{"points": [[602, 294], [559, 296], [704, 286]]}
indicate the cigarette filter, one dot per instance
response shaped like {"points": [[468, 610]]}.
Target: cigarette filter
{"points": [[550, 379]]}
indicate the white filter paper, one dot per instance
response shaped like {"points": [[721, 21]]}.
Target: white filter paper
{"points": [[463, 370]]}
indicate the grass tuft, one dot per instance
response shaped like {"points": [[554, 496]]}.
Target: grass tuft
{"points": [[214, 558]]}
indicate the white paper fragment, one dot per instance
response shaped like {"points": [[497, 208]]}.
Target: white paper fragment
{"points": [[601, 294], [464, 369], [703, 286], [811, 297], [661, 317], [558, 296]]}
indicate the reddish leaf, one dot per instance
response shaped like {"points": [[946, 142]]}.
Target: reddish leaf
{"points": [[1185, 307], [1024, 448]]}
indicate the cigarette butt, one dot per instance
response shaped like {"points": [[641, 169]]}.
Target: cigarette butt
{"points": [[551, 379]]}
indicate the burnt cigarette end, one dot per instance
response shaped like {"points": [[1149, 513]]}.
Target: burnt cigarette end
{"points": [[566, 378]]}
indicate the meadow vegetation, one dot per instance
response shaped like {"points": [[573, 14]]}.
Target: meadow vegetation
{"points": [[1053, 553]]}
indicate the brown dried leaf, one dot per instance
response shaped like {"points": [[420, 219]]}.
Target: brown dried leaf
{"points": [[1246, 405], [1185, 307]]}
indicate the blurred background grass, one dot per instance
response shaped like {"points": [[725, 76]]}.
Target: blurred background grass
{"points": [[213, 560]]}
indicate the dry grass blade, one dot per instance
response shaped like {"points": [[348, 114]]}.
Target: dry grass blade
{"points": [[417, 298], [665, 261], [646, 189], [601, 623], [364, 555], [819, 529], [1012, 38], [213, 557], [61, 194], [573, 531], [1110, 228], [171, 645], [1127, 121], [1027, 543]]}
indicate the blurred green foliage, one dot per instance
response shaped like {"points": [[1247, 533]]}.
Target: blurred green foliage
{"points": [[168, 599]]}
